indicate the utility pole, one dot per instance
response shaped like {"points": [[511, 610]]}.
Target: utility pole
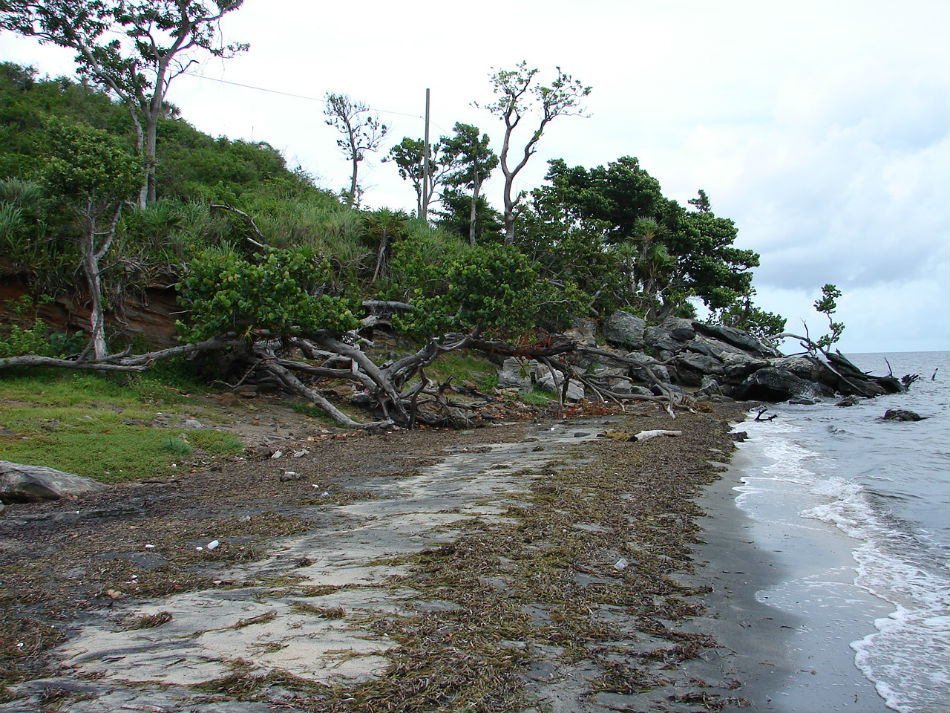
{"points": [[425, 166]]}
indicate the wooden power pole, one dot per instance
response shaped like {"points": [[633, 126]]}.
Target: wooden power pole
{"points": [[425, 166]]}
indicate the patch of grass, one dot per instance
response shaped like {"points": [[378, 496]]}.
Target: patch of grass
{"points": [[313, 412], [537, 397], [462, 367], [109, 428], [216, 442], [177, 447]]}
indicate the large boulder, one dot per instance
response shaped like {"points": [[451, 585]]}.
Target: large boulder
{"points": [[737, 338], [643, 363], [625, 329], [692, 367], [680, 329], [736, 367], [582, 331], [515, 374], [554, 381], [30, 483], [772, 384]]}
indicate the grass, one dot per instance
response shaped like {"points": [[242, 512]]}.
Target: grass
{"points": [[538, 397], [112, 429]]}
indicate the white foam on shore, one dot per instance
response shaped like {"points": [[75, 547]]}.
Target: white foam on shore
{"points": [[907, 654]]}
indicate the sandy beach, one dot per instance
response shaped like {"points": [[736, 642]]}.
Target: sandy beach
{"points": [[536, 566]]}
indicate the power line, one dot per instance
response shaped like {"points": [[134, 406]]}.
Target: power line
{"points": [[305, 97]]}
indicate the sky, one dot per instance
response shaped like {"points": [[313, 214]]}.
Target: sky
{"points": [[821, 128]]}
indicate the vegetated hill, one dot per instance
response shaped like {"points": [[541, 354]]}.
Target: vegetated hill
{"points": [[591, 240]]}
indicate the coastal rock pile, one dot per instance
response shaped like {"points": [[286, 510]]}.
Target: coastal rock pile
{"points": [[708, 360]]}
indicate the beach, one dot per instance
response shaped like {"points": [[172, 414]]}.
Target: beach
{"points": [[536, 566]]}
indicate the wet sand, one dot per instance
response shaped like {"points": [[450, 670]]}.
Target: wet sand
{"points": [[787, 663]]}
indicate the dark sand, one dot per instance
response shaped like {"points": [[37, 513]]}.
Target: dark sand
{"points": [[786, 663]]}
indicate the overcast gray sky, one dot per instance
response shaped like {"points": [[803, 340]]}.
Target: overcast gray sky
{"points": [[822, 128]]}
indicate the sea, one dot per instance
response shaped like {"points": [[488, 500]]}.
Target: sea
{"points": [[856, 510]]}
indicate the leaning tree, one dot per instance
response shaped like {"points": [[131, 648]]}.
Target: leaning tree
{"points": [[517, 96]]}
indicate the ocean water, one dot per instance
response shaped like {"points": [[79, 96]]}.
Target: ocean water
{"points": [[857, 511]]}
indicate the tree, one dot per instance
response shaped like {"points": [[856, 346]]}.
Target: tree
{"points": [[474, 161], [95, 174], [670, 254], [361, 131], [409, 157], [516, 96], [154, 45], [826, 305]]}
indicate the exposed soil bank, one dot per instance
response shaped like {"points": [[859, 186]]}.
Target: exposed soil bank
{"points": [[529, 567]]}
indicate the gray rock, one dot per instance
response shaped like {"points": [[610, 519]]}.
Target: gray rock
{"points": [[192, 424], [901, 415], [771, 384], [691, 367], [736, 367], [848, 401], [680, 329], [655, 335], [709, 388], [737, 338], [644, 362], [553, 382], [802, 368], [30, 483], [514, 374], [625, 329], [583, 331]]}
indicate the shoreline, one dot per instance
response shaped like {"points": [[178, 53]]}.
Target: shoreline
{"points": [[795, 659], [524, 566]]}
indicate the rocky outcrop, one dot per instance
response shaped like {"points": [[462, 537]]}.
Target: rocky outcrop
{"points": [[710, 361], [29, 483]]}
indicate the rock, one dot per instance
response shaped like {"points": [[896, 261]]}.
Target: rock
{"points": [[737, 338], [514, 374], [771, 384], [582, 331], [802, 368], [192, 424], [709, 388], [736, 367], [643, 363], [680, 329], [619, 435], [30, 483], [847, 401], [902, 415], [550, 382], [692, 367], [801, 401], [625, 329]]}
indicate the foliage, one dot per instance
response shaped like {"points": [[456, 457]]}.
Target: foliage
{"points": [[667, 254], [410, 158], [473, 161], [161, 36], [743, 314], [516, 96], [492, 289], [455, 217], [360, 131], [280, 295], [826, 305], [26, 333]]}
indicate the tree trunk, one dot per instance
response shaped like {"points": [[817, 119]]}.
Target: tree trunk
{"points": [[473, 215], [90, 267]]}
